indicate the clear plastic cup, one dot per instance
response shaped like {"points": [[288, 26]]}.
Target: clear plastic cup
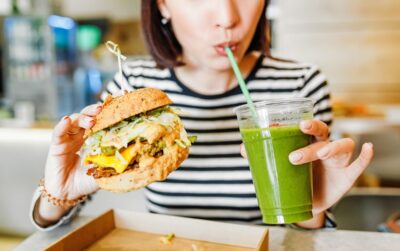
{"points": [[284, 191]]}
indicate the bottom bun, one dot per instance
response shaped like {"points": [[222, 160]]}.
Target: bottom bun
{"points": [[143, 175]]}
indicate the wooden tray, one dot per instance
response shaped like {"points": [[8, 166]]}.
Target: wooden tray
{"points": [[125, 230]]}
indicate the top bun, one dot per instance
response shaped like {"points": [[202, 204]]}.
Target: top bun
{"points": [[130, 104]]}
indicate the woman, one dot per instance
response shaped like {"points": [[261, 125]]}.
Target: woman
{"points": [[186, 40]]}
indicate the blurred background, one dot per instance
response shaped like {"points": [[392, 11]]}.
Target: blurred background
{"points": [[54, 62]]}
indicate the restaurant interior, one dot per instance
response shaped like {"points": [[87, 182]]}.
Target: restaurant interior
{"points": [[54, 62]]}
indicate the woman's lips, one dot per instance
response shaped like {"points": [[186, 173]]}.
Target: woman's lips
{"points": [[220, 49]]}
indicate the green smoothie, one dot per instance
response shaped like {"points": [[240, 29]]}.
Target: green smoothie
{"points": [[284, 191]]}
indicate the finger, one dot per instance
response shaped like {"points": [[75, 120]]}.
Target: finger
{"points": [[338, 147], [85, 122], [92, 110], [80, 121], [243, 151], [77, 136], [316, 128], [71, 126], [306, 154], [363, 160], [65, 149], [61, 129]]}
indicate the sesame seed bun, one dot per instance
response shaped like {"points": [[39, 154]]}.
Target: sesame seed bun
{"points": [[130, 104]]}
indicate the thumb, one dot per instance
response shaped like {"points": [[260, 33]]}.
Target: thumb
{"points": [[86, 184]]}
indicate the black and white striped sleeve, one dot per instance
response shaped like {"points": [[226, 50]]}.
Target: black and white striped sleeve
{"points": [[316, 87]]}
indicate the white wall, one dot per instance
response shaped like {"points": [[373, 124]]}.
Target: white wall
{"points": [[356, 43], [116, 10]]}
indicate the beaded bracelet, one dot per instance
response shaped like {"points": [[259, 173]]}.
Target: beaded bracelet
{"points": [[58, 202]]}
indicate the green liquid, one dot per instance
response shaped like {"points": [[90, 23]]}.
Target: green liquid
{"points": [[284, 191]]}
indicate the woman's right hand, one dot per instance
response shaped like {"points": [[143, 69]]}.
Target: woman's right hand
{"points": [[64, 176]]}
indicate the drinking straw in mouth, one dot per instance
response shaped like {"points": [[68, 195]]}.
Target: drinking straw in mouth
{"points": [[240, 79], [114, 49]]}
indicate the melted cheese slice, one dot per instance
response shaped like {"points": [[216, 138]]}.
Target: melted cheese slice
{"points": [[113, 161]]}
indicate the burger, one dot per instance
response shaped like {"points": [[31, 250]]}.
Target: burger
{"points": [[137, 139]]}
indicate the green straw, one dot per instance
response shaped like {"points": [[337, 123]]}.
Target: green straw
{"points": [[240, 79]]}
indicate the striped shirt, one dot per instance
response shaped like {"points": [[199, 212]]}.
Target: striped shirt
{"points": [[215, 181]]}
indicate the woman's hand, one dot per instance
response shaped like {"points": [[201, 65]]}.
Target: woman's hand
{"points": [[333, 174], [64, 179]]}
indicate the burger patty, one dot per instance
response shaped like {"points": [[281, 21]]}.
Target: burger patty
{"points": [[98, 173], [142, 149], [154, 150]]}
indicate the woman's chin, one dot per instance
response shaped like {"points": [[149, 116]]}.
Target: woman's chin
{"points": [[219, 64]]}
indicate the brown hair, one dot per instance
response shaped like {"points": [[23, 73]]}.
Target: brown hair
{"points": [[165, 48]]}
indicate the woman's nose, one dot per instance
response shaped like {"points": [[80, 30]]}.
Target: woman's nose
{"points": [[227, 15]]}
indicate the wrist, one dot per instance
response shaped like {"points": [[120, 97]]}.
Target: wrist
{"points": [[46, 214], [55, 188], [57, 200]]}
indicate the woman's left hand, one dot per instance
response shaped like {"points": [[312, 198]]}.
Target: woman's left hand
{"points": [[333, 174]]}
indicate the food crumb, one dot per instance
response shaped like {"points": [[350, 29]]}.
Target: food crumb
{"points": [[167, 239], [196, 248]]}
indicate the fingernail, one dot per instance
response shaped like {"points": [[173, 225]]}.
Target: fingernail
{"points": [[88, 120], [323, 153], [306, 124], [295, 157], [65, 118], [370, 145]]}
